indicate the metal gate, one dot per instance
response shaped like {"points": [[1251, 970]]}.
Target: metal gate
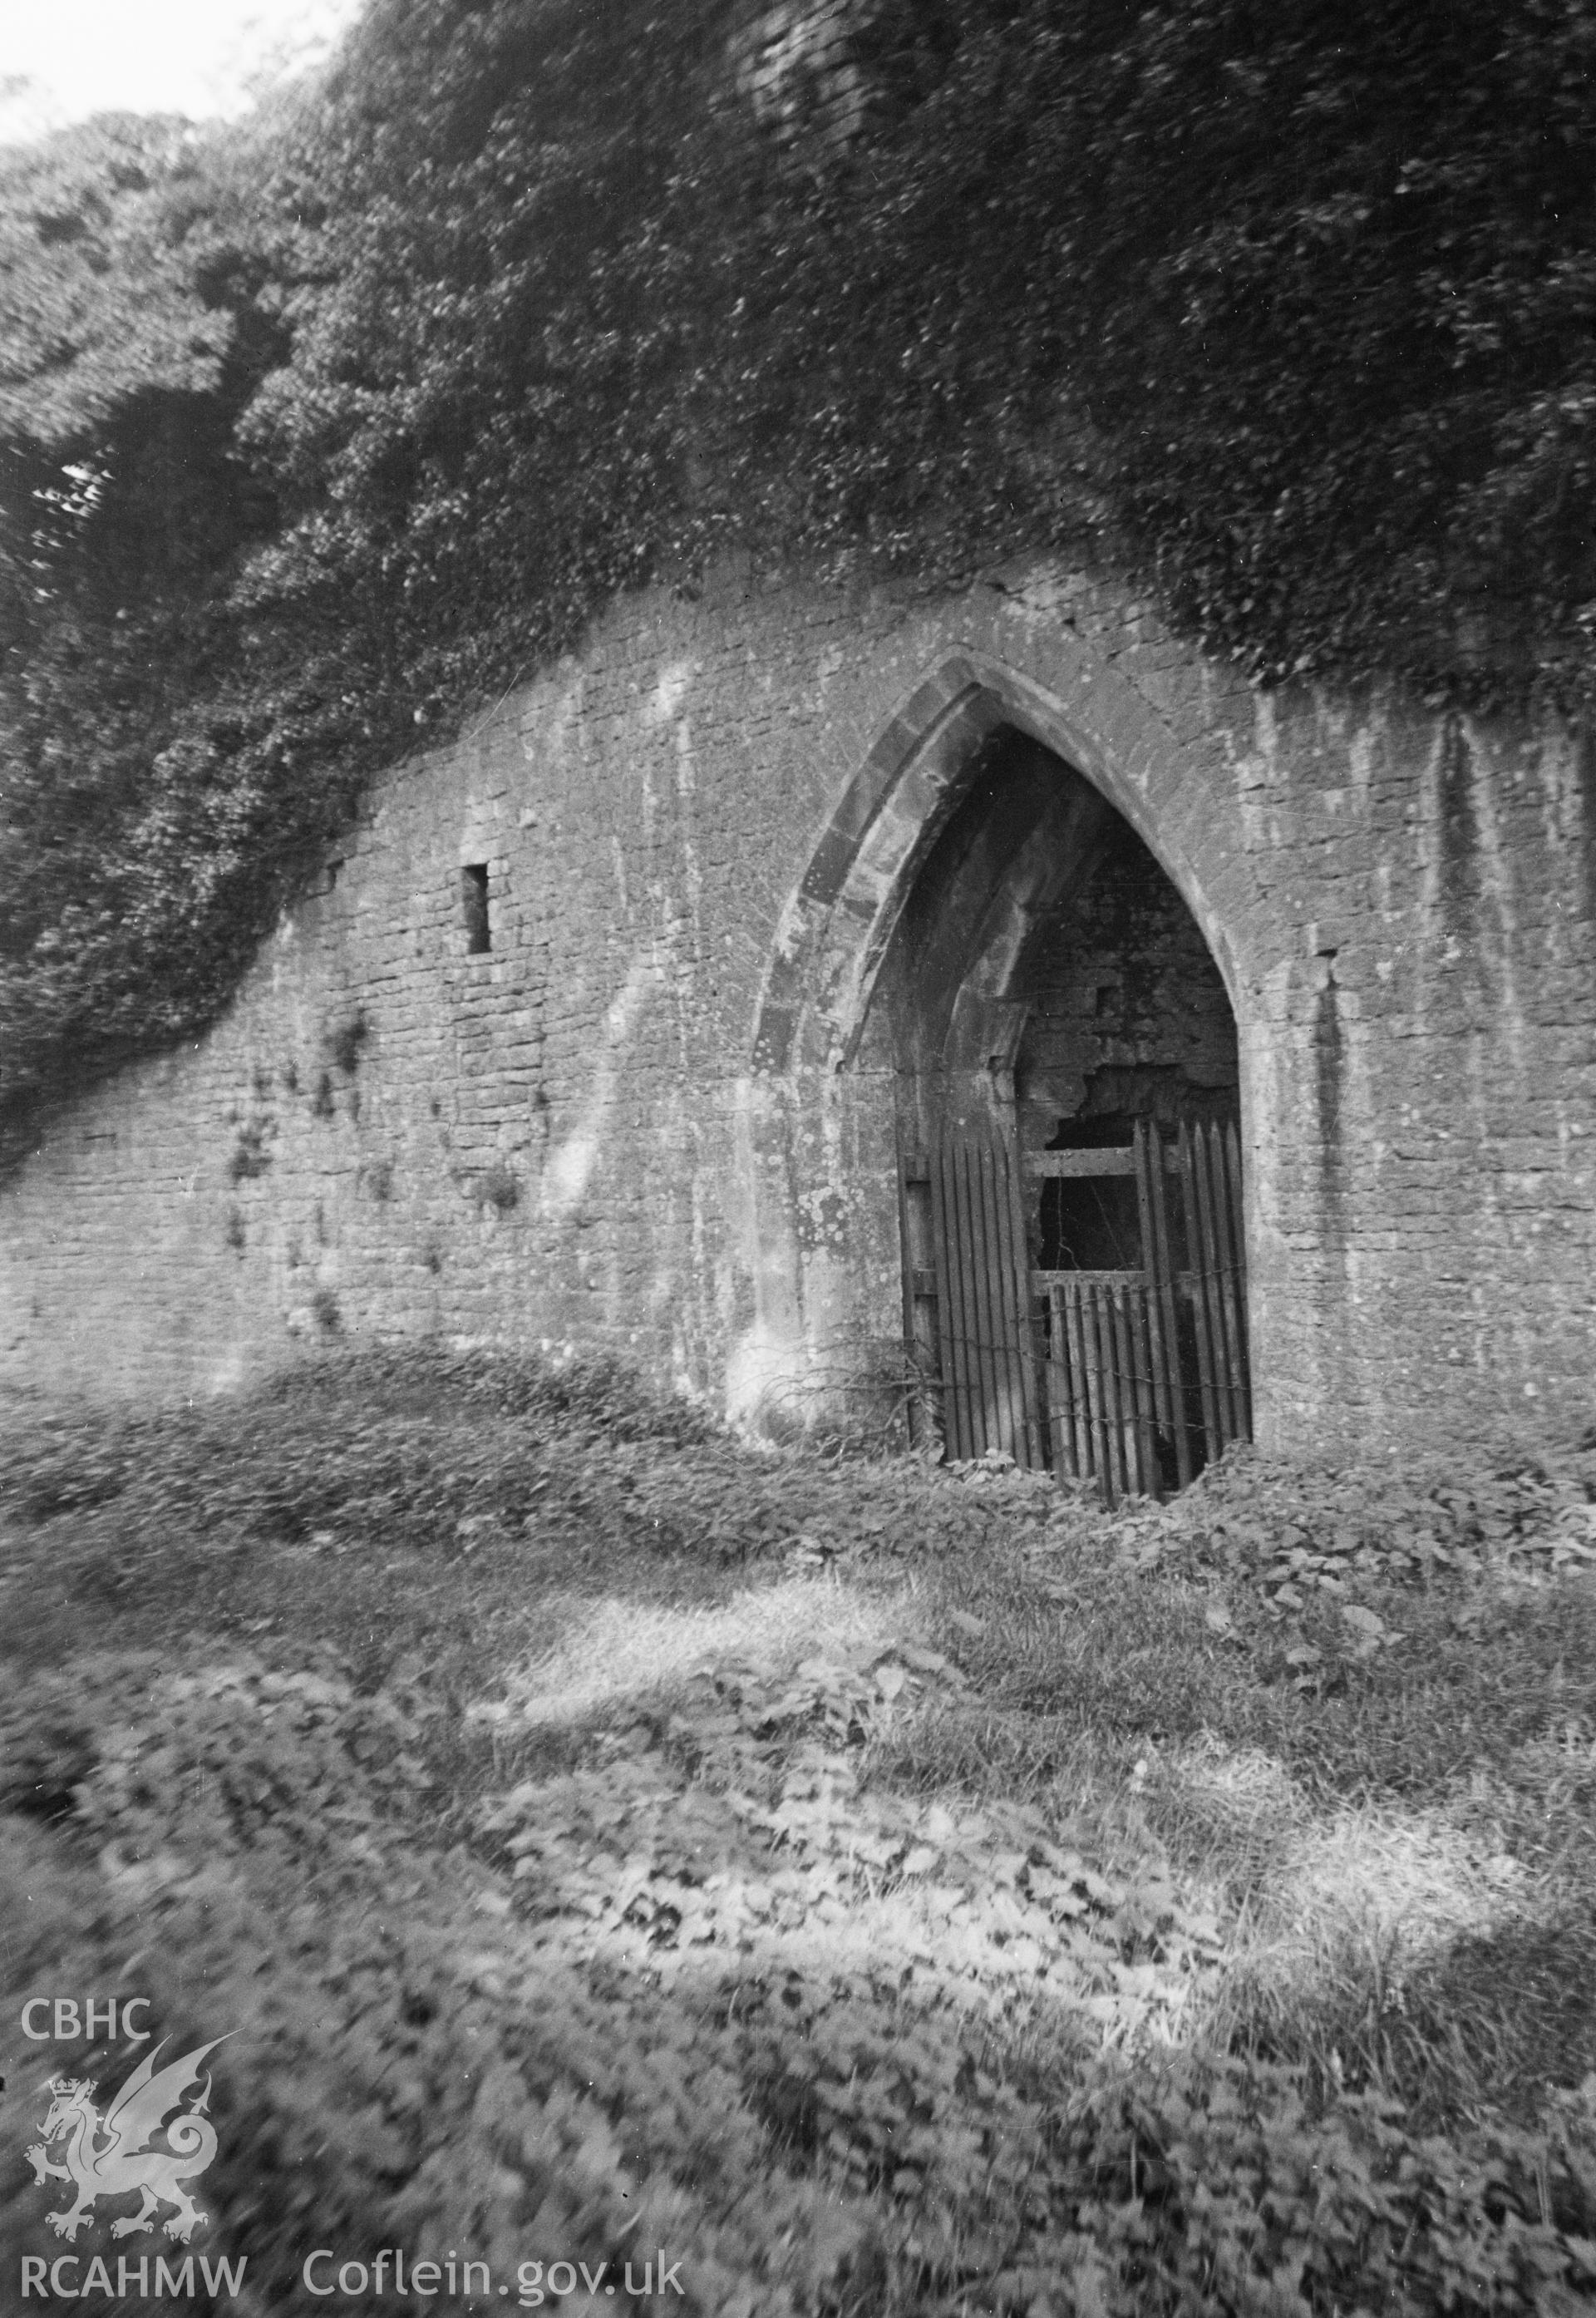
{"points": [[969, 1321], [1133, 1378]]}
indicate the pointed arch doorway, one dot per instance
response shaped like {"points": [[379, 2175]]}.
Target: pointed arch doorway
{"points": [[1063, 1057]]}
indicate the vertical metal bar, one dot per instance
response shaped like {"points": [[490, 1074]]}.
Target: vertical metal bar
{"points": [[1116, 1361], [1208, 1223], [1213, 1440], [1141, 1306], [1006, 1311], [950, 1304], [977, 1256], [1011, 1226], [1120, 1365], [1101, 1465], [971, 1156], [1054, 1388], [979, 1386], [1060, 1408], [1163, 1282], [1079, 1406], [1113, 1420], [1145, 1145], [981, 1299], [1124, 1377], [1009, 1413], [973, 1437], [920, 1325]]}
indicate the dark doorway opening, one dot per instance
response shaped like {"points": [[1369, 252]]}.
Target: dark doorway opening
{"points": [[1069, 1121]]}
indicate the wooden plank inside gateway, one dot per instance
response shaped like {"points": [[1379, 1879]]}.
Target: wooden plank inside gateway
{"points": [[1140, 1364], [1144, 1365], [986, 1391]]}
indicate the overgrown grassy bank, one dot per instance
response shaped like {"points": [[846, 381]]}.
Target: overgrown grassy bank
{"points": [[881, 1889]]}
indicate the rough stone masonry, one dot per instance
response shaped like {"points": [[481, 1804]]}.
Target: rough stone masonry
{"points": [[656, 1112]]}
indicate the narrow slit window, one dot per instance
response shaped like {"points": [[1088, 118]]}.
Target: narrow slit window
{"points": [[473, 896]]}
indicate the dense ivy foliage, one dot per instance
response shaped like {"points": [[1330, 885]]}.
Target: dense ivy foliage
{"points": [[313, 436], [133, 825]]}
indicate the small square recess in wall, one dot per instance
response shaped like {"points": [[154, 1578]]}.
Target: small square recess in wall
{"points": [[473, 898]]}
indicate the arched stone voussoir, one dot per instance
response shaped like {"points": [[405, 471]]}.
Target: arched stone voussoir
{"points": [[838, 922]]}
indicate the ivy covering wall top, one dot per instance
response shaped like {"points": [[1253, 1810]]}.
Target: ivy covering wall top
{"points": [[312, 432]]}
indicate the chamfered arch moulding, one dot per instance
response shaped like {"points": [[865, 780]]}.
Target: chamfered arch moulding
{"points": [[812, 1119], [836, 930]]}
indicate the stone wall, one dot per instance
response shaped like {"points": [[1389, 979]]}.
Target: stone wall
{"points": [[648, 1117], [798, 66]]}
